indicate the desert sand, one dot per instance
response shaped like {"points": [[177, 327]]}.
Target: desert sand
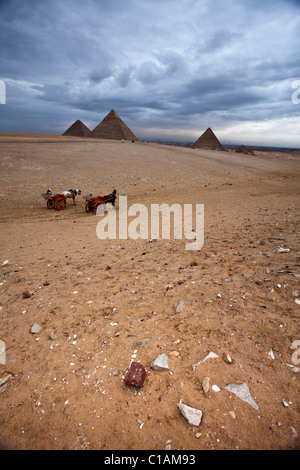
{"points": [[102, 303]]}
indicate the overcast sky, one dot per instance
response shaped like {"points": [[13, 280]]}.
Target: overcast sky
{"points": [[169, 68]]}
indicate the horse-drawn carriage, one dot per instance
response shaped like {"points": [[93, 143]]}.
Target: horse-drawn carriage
{"points": [[93, 202], [55, 201]]}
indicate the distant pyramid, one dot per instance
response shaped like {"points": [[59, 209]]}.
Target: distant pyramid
{"points": [[208, 140], [78, 129], [112, 127], [243, 149]]}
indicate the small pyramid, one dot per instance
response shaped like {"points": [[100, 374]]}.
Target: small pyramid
{"points": [[208, 140], [77, 129], [243, 149], [112, 127]]}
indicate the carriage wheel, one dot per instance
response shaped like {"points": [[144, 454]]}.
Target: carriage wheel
{"points": [[50, 204], [60, 205]]}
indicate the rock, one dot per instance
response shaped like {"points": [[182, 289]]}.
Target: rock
{"points": [[205, 384], [135, 375], [209, 356], [35, 328], [215, 388], [174, 353], [272, 354], [227, 358], [26, 294], [297, 301], [243, 392], [283, 250], [192, 415], [5, 264], [179, 306], [4, 380], [52, 336], [160, 363]]}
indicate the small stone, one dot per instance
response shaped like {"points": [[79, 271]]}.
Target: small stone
{"points": [[205, 384], [227, 358], [272, 354], [5, 264], [35, 328], [179, 306], [242, 391], [135, 375], [26, 294], [160, 363], [209, 356], [174, 353], [215, 388], [192, 415], [52, 336], [116, 373]]}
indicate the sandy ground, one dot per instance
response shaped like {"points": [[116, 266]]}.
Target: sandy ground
{"points": [[99, 302]]}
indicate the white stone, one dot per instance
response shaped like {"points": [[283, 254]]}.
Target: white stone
{"points": [[192, 415], [160, 363]]}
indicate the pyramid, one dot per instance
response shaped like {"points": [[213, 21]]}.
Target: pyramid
{"points": [[243, 149], [112, 127], [78, 129], [208, 140]]}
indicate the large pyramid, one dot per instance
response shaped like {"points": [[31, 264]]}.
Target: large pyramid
{"points": [[78, 129], [208, 140], [112, 127]]}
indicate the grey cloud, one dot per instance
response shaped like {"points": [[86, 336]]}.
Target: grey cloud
{"points": [[149, 60]]}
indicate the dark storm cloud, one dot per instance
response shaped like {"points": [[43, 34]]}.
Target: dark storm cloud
{"points": [[160, 64]]}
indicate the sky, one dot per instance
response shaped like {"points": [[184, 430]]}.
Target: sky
{"points": [[169, 68]]}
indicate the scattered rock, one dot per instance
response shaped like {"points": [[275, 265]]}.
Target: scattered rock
{"points": [[215, 388], [35, 328], [209, 356], [192, 415], [26, 294], [136, 375], [5, 264], [205, 384], [52, 336], [272, 354], [227, 358], [243, 392], [174, 353], [180, 305], [160, 363], [283, 250]]}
